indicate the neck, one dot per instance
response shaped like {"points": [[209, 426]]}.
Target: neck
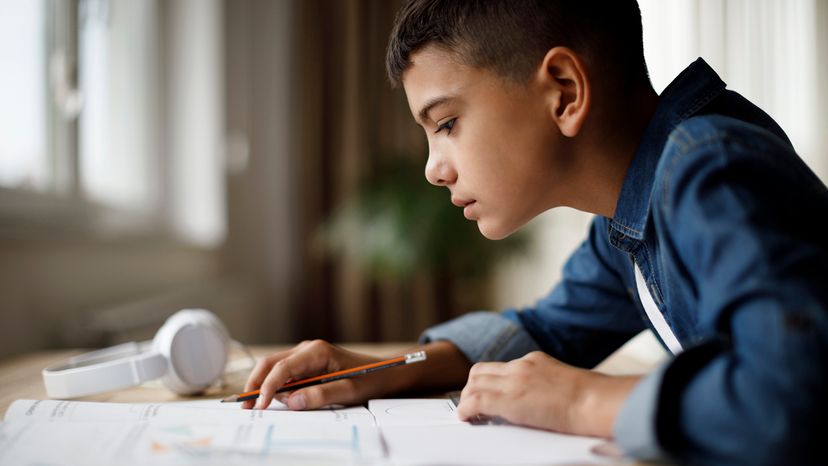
{"points": [[608, 151]]}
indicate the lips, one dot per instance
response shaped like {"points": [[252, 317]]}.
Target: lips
{"points": [[466, 204], [461, 202], [467, 210]]}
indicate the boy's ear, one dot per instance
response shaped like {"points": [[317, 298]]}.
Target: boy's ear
{"points": [[564, 79]]}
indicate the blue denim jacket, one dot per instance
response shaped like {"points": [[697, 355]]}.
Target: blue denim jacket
{"points": [[725, 223]]}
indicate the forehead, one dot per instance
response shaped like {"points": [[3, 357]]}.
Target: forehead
{"points": [[436, 73]]}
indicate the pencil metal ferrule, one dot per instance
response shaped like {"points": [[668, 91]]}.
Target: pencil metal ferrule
{"points": [[415, 357]]}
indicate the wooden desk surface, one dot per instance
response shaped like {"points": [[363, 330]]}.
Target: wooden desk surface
{"points": [[20, 376]]}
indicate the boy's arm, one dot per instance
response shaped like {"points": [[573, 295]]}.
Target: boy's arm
{"points": [[582, 321], [588, 315], [739, 208], [444, 369]]}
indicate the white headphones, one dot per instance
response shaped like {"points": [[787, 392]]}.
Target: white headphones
{"points": [[189, 353]]}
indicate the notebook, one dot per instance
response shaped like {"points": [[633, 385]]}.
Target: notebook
{"points": [[206, 432]]}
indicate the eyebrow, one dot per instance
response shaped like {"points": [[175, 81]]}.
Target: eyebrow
{"points": [[424, 112]]}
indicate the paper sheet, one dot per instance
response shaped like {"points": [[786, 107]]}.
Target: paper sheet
{"points": [[413, 412], [51, 432], [427, 431], [400, 432], [197, 411]]}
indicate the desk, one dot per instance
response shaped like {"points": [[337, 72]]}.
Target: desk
{"points": [[20, 375]]}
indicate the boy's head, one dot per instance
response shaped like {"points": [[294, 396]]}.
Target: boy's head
{"points": [[510, 37], [503, 87]]}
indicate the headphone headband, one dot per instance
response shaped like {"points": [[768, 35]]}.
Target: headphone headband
{"points": [[189, 353], [103, 370]]}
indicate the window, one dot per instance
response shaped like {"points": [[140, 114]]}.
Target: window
{"points": [[119, 122], [112, 111], [24, 161]]}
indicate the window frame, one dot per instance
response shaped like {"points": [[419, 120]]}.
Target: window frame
{"points": [[63, 207]]}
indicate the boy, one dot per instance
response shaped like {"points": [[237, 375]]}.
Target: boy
{"points": [[707, 231]]}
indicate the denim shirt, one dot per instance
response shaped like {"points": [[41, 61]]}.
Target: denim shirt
{"points": [[724, 222]]}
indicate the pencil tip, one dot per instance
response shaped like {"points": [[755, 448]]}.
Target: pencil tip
{"points": [[229, 399]]}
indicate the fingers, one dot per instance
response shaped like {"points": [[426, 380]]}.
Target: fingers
{"points": [[296, 366], [263, 366], [486, 389], [280, 373], [496, 368], [482, 391], [275, 370], [339, 392], [305, 360], [474, 403], [535, 390], [258, 374]]}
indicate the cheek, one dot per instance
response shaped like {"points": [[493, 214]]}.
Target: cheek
{"points": [[478, 160], [505, 161], [486, 151], [519, 165]]}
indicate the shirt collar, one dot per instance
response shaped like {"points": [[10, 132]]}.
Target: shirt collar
{"points": [[694, 88]]}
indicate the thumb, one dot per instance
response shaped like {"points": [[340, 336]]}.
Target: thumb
{"points": [[339, 392]]}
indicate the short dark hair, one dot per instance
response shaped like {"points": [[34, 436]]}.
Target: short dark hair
{"points": [[511, 37]]}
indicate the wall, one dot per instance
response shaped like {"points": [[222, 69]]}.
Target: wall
{"points": [[262, 207]]}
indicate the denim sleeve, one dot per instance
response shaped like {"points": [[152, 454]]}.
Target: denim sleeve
{"points": [[642, 425], [584, 319], [484, 336], [635, 426], [740, 208]]}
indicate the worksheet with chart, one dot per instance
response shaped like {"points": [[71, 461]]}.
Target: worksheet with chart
{"points": [[51, 432], [396, 432]]}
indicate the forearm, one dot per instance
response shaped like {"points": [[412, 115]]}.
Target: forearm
{"points": [[445, 368]]}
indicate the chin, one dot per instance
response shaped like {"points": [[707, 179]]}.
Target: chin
{"points": [[493, 231]]}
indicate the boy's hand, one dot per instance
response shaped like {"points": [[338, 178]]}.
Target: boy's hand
{"points": [[308, 359], [540, 391]]}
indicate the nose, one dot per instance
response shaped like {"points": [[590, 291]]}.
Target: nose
{"points": [[439, 171]]}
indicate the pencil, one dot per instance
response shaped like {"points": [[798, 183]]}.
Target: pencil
{"points": [[338, 375]]}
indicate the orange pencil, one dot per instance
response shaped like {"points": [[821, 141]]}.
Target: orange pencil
{"points": [[343, 374]]}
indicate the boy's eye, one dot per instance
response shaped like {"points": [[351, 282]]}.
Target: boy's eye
{"points": [[446, 126]]}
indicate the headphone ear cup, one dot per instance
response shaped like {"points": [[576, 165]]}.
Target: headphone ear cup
{"points": [[195, 344]]}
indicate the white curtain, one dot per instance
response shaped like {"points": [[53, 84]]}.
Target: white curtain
{"points": [[767, 50]]}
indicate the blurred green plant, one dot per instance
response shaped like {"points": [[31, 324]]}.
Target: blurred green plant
{"points": [[399, 224]]}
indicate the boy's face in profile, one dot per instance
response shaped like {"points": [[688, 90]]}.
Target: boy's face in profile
{"points": [[491, 142]]}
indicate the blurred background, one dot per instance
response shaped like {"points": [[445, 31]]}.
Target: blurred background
{"points": [[249, 157]]}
